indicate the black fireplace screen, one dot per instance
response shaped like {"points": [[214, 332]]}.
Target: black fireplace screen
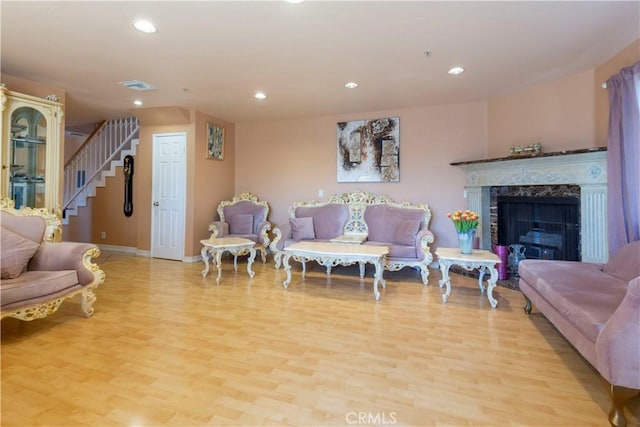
{"points": [[548, 227]]}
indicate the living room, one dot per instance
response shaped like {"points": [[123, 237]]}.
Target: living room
{"points": [[292, 159]]}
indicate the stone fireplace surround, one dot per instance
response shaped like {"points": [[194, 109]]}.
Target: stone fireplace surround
{"points": [[586, 168]]}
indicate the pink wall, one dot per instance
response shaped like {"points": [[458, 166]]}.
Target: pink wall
{"points": [[558, 114], [209, 181], [286, 161], [564, 114], [29, 87], [104, 213]]}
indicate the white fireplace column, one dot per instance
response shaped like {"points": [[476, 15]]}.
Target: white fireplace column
{"points": [[593, 223], [478, 201], [586, 168]]}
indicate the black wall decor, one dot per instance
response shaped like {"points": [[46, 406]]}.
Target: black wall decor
{"points": [[128, 185]]}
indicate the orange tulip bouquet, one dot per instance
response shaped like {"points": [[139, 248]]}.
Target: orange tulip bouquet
{"points": [[466, 223]]}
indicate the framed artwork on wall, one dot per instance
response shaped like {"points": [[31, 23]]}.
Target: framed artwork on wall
{"points": [[215, 142], [369, 150]]}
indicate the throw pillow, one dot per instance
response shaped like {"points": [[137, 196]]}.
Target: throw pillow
{"points": [[302, 228], [406, 232], [241, 224], [15, 253]]}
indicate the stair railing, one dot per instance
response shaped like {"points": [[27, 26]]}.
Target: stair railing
{"points": [[95, 155]]}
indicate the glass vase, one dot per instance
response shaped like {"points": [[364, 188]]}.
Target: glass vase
{"points": [[465, 240]]}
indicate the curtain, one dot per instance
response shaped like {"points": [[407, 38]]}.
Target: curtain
{"points": [[623, 158]]}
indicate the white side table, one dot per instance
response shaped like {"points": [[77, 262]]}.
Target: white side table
{"points": [[234, 245], [481, 259]]}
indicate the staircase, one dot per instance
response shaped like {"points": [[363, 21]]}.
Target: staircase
{"points": [[98, 157]]}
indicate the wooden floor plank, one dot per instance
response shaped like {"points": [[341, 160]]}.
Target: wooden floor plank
{"points": [[168, 347]]}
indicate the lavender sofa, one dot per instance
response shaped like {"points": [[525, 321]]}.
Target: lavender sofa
{"points": [[38, 275], [596, 307], [244, 216], [370, 218]]}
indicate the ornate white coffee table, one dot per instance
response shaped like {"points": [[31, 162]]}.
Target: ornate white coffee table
{"points": [[481, 259], [330, 254], [234, 245]]}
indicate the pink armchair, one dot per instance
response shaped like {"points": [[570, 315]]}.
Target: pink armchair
{"points": [[244, 216], [38, 275]]}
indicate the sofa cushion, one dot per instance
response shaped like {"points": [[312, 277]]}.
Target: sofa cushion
{"points": [[241, 224], [36, 284], [405, 234], [302, 228], [625, 264], [383, 221], [328, 220], [582, 293], [15, 253], [31, 227]]}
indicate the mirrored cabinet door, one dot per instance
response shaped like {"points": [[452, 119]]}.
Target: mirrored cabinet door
{"points": [[27, 155], [31, 151]]}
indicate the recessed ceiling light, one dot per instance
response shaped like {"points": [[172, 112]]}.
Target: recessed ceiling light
{"points": [[455, 71], [351, 85], [295, 1], [145, 26], [259, 95], [137, 102]]}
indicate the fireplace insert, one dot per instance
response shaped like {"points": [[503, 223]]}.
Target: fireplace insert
{"points": [[548, 227]]}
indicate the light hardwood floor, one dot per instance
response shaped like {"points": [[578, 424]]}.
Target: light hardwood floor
{"points": [[167, 347]]}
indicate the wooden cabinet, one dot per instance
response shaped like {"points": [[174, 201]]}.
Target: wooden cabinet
{"points": [[31, 154]]}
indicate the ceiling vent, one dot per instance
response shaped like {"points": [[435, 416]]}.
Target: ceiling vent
{"points": [[137, 85]]}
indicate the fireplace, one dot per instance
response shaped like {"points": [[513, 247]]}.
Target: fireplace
{"points": [[584, 171], [546, 227]]}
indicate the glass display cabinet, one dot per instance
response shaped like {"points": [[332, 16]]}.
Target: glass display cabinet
{"points": [[31, 152]]}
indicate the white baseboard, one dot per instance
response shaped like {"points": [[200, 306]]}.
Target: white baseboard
{"points": [[142, 253], [192, 259], [118, 249]]}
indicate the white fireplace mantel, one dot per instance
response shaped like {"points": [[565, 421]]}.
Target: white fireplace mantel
{"points": [[586, 168]]}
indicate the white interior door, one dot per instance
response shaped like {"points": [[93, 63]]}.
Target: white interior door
{"points": [[168, 198]]}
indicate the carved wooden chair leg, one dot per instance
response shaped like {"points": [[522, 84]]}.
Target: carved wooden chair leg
{"points": [[424, 272], [277, 258], [88, 298], [527, 306], [619, 396]]}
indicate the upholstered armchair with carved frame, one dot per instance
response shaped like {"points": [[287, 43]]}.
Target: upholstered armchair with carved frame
{"points": [[38, 273], [244, 216]]}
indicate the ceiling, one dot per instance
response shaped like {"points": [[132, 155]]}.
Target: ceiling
{"points": [[213, 56]]}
